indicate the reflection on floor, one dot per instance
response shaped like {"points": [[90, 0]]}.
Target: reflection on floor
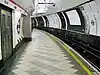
{"points": [[43, 56]]}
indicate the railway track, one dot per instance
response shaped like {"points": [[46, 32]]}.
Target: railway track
{"points": [[91, 54]]}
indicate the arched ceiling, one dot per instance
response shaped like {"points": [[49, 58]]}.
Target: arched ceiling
{"points": [[61, 5], [45, 8], [27, 5]]}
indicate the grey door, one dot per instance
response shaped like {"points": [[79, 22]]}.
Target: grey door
{"points": [[6, 34]]}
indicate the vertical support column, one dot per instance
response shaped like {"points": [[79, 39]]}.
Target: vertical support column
{"points": [[26, 28]]}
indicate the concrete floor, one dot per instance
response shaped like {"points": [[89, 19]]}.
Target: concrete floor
{"points": [[43, 56]]}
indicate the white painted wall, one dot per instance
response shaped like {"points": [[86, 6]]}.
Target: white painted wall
{"points": [[25, 27], [73, 17], [86, 19], [54, 21], [60, 5], [14, 29], [92, 12], [96, 10], [21, 25], [44, 22], [36, 21], [16, 15]]}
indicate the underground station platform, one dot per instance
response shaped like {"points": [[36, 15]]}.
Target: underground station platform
{"points": [[47, 55]]}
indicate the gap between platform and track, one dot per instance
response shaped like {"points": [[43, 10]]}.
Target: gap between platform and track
{"points": [[73, 54]]}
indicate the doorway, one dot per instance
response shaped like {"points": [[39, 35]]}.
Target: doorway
{"points": [[6, 34]]}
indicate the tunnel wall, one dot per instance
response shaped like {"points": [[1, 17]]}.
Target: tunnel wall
{"points": [[91, 17], [17, 20], [54, 21], [87, 32], [91, 13]]}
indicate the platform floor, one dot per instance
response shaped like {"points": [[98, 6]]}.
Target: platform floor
{"points": [[43, 56]]}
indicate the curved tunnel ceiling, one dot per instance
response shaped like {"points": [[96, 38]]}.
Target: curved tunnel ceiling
{"points": [[27, 5], [31, 5], [60, 5]]}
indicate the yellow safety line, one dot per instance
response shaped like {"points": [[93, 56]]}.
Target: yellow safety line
{"points": [[74, 56]]}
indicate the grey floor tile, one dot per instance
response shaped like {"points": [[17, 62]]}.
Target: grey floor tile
{"points": [[36, 73], [46, 66], [46, 58], [42, 56]]}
